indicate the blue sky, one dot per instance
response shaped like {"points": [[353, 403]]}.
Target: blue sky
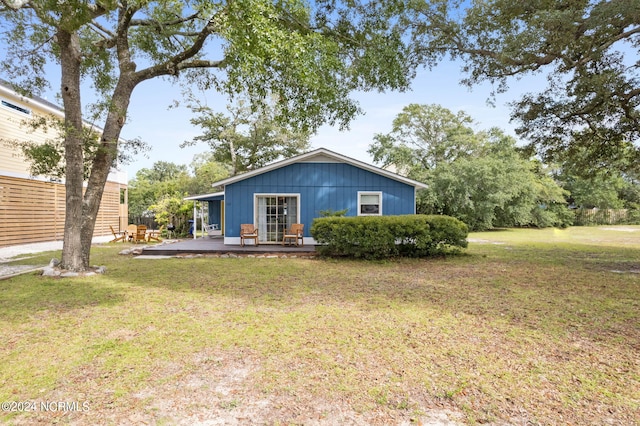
{"points": [[165, 129]]}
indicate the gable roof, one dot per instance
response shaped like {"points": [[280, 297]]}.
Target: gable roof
{"points": [[321, 155]]}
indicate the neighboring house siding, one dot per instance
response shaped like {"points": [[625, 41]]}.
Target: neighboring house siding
{"points": [[12, 129], [32, 209], [321, 186]]}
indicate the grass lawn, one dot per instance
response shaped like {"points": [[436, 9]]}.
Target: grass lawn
{"points": [[527, 327]]}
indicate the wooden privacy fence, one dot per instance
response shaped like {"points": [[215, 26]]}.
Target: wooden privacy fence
{"points": [[34, 211], [600, 216]]}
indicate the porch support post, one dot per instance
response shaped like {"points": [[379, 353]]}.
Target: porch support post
{"points": [[195, 221], [202, 218]]}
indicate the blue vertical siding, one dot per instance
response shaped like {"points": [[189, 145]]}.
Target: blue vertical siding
{"points": [[322, 186], [214, 212]]}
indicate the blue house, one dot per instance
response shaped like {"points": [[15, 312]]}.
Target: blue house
{"points": [[297, 189]]}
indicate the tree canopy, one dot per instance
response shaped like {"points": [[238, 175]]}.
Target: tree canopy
{"points": [[247, 138], [588, 50], [477, 177]]}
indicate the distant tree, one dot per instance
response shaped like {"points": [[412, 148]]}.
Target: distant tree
{"points": [[603, 189], [142, 194], [424, 136], [477, 177], [247, 138], [163, 171], [495, 187], [172, 210], [163, 179], [311, 55], [630, 193], [206, 171], [599, 191], [588, 49]]}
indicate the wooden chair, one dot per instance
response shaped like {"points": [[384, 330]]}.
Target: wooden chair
{"points": [[131, 231], [118, 236], [155, 234], [141, 234], [295, 233], [248, 232]]}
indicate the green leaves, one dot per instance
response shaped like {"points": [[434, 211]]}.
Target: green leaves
{"points": [[424, 136], [380, 237]]}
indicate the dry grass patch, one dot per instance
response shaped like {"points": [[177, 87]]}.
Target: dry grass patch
{"points": [[535, 330]]}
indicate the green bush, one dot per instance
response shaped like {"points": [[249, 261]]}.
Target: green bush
{"points": [[378, 237], [633, 216]]}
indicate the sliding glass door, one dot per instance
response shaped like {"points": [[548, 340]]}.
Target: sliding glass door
{"points": [[275, 213]]}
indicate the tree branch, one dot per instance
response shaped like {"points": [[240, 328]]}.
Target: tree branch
{"points": [[202, 64], [181, 60], [161, 25]]}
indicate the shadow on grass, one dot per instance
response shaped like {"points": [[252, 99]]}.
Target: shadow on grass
{"points": [[30, 294]]}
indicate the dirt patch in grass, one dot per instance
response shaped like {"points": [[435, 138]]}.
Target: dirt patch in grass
{"points": [[620, 229]]}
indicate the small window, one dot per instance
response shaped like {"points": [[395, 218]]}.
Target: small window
{"points": [[16, 107], [369, 203]]}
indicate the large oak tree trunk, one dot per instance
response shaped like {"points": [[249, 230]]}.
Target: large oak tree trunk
{"points": [[70, 58]]}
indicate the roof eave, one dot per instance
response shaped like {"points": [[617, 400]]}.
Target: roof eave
{"points": [[204, 196]]}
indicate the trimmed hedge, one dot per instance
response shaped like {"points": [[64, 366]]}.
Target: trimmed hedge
{"points": [[379, 237]]}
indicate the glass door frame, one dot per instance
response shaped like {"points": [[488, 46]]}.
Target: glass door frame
{"points": [[272, 219]]}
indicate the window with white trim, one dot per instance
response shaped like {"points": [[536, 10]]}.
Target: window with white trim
{"points": [[369, 203]]}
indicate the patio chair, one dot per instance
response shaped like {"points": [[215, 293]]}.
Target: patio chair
{"points": [[295, 233], [155, 234], [131, 231], [141, 234], [248, 232], [118, 236]]}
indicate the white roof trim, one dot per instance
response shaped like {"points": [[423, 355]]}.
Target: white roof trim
{"points": [[201, 196], [30, 101], [321, 152]]}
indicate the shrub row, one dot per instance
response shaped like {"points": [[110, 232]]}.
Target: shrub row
{"points": [[378, 237]]}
